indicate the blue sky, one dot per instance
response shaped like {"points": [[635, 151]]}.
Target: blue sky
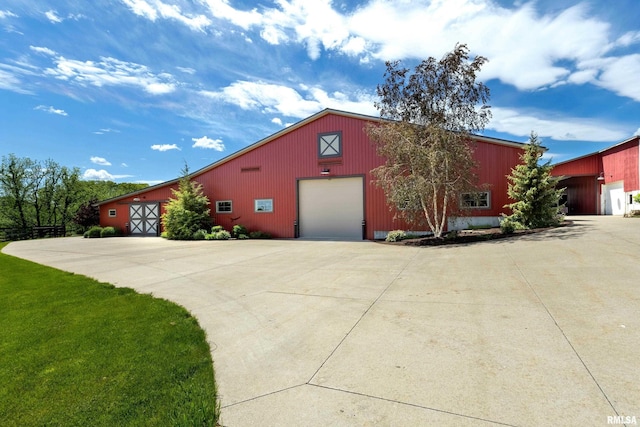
{"points": [[129, 90]]}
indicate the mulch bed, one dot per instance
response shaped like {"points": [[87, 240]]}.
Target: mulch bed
{"points": [[471, 236]]}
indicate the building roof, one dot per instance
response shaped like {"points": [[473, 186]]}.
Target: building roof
{"points": [[637, 137], [293, 127]]}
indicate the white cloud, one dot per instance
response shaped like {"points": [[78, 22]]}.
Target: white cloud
{"points": [[97, 175], [44, 50], [186, 70], [7, 14], [276, 121], [142, 8], [52, 16], [620, 75], [562, 129], [165, 147], [51, 110], [527, 48], [100, 161], [205, 142], [111, 72], [9, 81], [278, 99], [124, 165], [244, 19], [154, 9]]}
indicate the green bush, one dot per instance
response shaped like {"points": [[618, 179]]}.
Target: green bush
{"points": [[259, 235], [242, 236], [216, 228], [239, 229], [219, 235], [508, 225], [636, 198], [200, 234], [187, 210], [93, 232], [396, 236], [109, 232]]}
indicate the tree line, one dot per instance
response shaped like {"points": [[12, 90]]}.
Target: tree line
{"points": [[45, 193]]}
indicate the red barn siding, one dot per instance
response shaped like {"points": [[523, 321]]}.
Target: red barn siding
{"points": [[588, 165], [621, 163], [272, 168]]}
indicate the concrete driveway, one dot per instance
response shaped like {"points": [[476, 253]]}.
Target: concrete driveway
{"points": [[533, 331]]}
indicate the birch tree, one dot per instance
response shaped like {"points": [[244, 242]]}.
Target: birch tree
{"points": [[429, 114]]}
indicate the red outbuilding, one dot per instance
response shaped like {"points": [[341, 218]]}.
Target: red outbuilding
{"points": [[602, 183], [312, 180]]}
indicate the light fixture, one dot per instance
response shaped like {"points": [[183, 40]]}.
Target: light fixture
{"points": [[325, 171], [136, 199], [601, 177]]}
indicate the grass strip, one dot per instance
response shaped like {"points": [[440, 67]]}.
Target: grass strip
{"points": [[74, 351]]}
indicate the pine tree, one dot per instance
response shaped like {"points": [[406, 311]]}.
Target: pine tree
{"points": [[188, 211], [534, 190]]}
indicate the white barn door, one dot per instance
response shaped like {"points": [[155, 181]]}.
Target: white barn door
{"points": [[331, 208], [144, 219]]}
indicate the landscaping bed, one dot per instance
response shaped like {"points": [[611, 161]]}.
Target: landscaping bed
{"points": [[470, 236]]}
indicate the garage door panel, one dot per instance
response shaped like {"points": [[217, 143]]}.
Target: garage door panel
{"points": [[331, 208]]}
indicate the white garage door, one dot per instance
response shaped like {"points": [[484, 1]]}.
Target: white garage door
{"points": [[613, 198], [331, 208]]}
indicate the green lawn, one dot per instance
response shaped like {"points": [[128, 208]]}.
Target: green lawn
{"points": [[76, 352]]}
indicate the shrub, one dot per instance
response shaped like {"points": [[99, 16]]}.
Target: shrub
{"points": [[109, 232], [508, 225], [242, 236], [216, 228], [636, 198], [218, 235], [239, 229], [187, 210], [200, 234], [396, 236], [93, 232], [259, 235], [164, 235]]}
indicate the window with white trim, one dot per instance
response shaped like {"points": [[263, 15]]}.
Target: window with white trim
{"points": [[224, 206], [112, 213], [264, 205], [479, 200]]}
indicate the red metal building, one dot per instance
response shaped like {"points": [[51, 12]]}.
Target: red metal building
{"points": [[312, 180], [602, 183]]}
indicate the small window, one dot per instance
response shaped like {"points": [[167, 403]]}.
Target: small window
{"points": [[264, 205], [224, 206], [330, 145], [112, 213], [480, 200]]}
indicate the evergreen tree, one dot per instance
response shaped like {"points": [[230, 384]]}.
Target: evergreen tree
{"points": [[534, 190], [188, 211]]}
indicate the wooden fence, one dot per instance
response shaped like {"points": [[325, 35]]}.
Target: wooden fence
{"points": [[32, 232]]}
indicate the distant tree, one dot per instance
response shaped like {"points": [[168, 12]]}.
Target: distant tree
{"points": [[534, 191], [431, 114], [16, 190], [187, 211]]}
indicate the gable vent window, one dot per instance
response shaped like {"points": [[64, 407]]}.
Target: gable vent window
{"points": [[330, 145]]}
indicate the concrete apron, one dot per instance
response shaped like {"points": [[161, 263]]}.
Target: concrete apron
{"points": [[537, 330]]}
